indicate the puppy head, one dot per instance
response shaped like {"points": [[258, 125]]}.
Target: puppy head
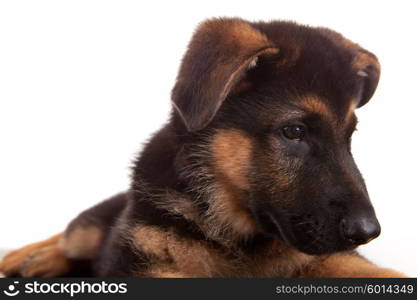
{"points": [[277, 101]]}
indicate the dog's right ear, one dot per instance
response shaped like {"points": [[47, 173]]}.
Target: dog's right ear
{"points": [[219, 54]]}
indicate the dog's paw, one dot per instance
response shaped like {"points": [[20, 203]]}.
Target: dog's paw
{"points": [[10, 265], [46, 262], [18, 262]]}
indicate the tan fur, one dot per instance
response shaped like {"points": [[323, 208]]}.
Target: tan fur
{"points": [[82, 242], [47, 262], [349, 265], [44, 259], [279, 262], [230, 211], [172, 254], [163, 273], [241, 38], [235, 31], [178, 204], [316, 105], [232, 150], [235, 76], [351, 110], [362, 58], [241, 45], [151, 240], [176, 256]]}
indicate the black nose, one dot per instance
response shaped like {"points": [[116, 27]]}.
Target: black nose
{"points": [[360, 229]]}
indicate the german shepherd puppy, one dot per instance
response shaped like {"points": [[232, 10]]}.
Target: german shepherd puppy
{"points": [[251, 177]]}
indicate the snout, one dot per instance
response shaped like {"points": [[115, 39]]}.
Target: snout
{"points": [[359, 229]]}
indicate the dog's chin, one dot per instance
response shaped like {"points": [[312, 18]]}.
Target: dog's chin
{"points": [[308, 244], [321, 248]]}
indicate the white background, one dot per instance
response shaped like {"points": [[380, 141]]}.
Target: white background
{"points": [[84, 83]]}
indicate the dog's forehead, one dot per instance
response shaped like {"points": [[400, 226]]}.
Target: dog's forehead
{"points": [[319, 62], [342, 117]]}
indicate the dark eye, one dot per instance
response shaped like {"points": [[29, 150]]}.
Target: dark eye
{"points": [[294, 132]]}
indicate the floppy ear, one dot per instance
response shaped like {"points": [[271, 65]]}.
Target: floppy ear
{"points": [[369, 68], [218, 55], [364, 63]]}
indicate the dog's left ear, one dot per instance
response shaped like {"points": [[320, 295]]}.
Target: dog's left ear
{"points": [[219, 54], [364, 63], [368, 67]]}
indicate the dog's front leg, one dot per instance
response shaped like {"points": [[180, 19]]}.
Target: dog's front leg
{"points": [[348, 265]]}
